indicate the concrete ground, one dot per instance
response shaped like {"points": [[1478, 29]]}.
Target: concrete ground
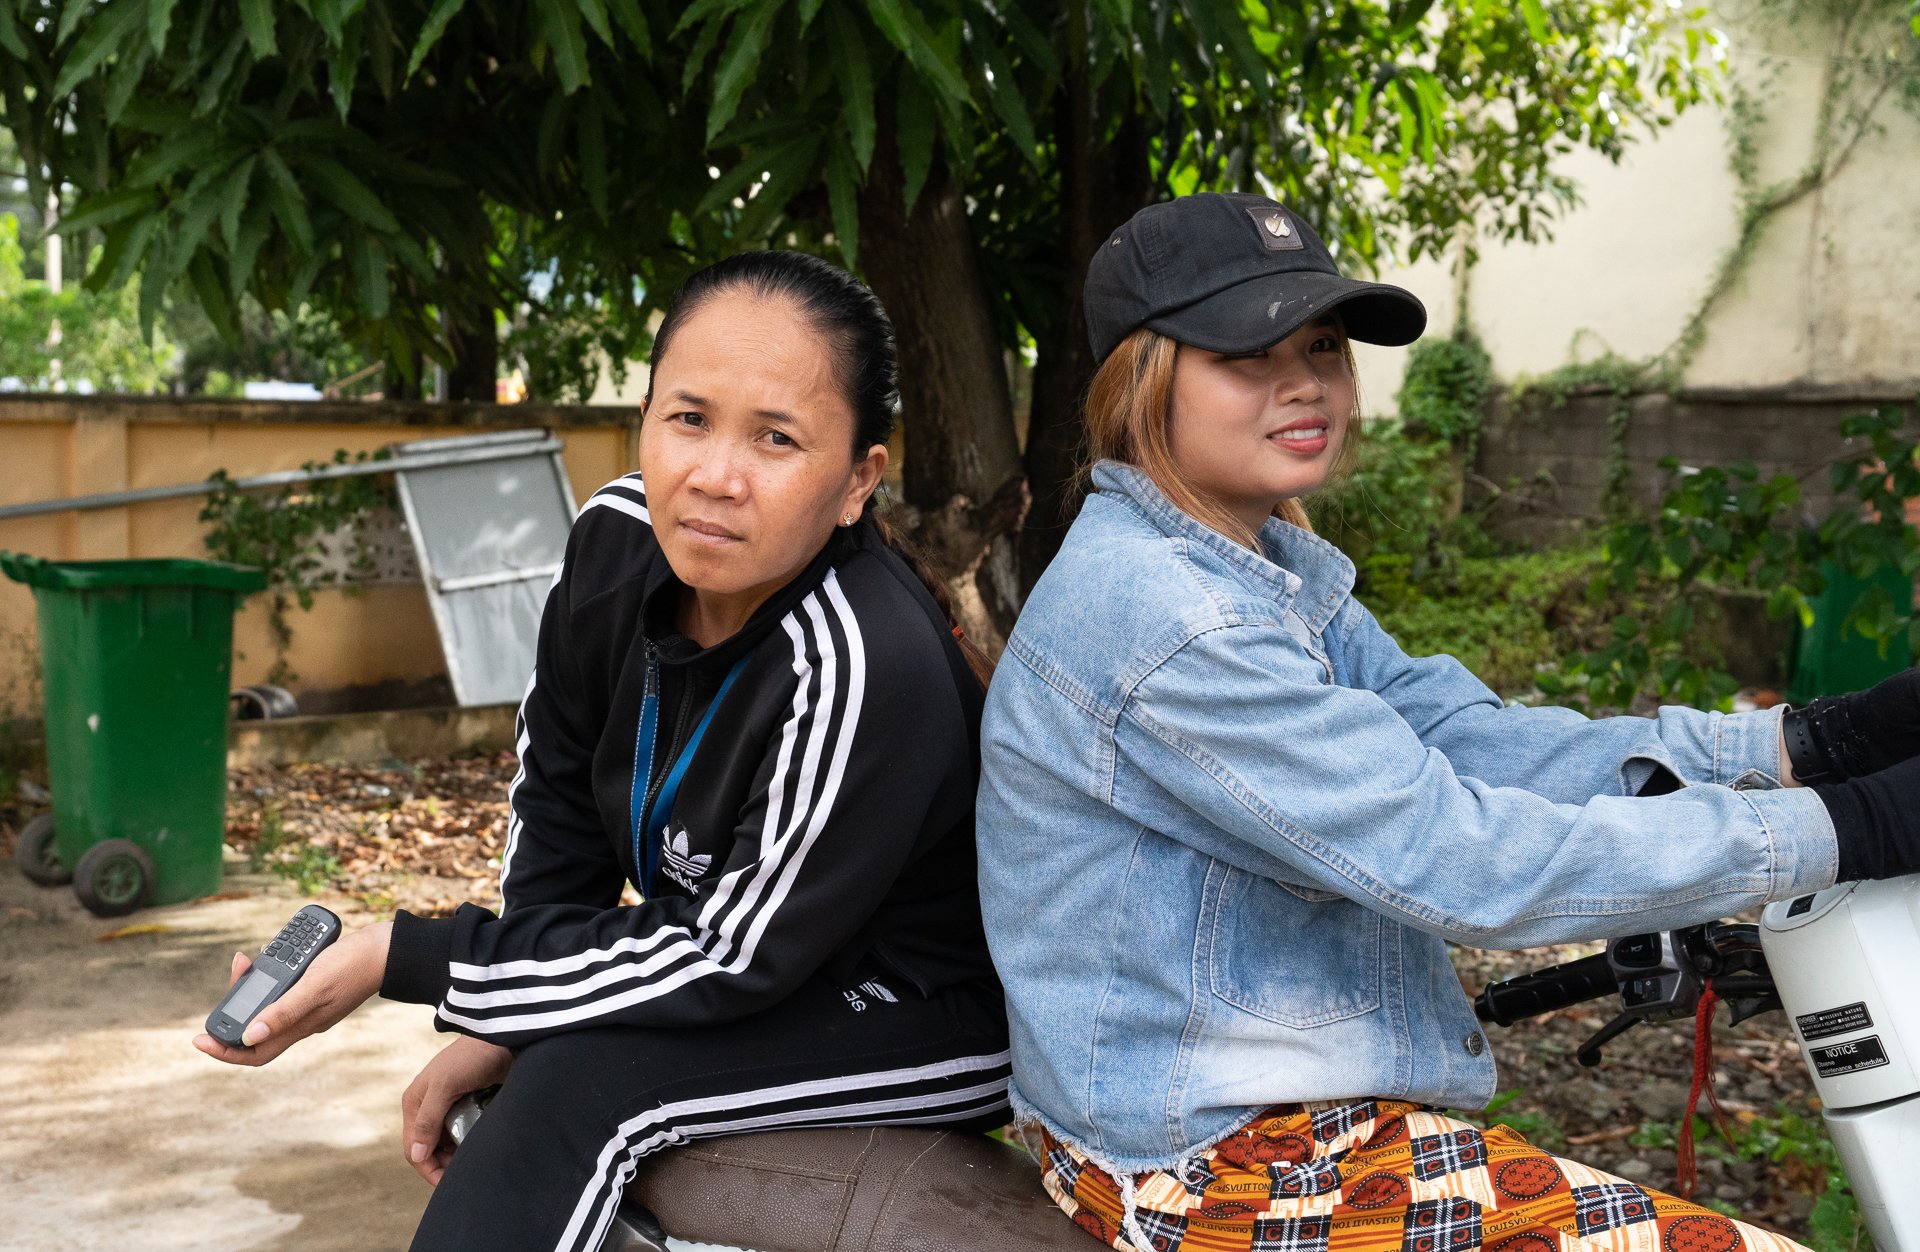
{"points": [[115, 1133]]}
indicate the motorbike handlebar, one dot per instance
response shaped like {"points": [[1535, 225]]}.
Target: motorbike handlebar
{"points": [[1542, 991]]}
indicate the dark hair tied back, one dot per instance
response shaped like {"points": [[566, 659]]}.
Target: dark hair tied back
{"points": [[848, 315], [860, 335]]}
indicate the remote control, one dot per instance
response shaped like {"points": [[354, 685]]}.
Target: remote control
{"points": [[278, 967]]}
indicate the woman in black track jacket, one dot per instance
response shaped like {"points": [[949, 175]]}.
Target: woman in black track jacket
{"points": [[750, 706]]}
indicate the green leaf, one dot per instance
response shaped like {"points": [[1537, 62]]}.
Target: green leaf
{"points": [[732, 183], [125, 248], [1032, 43], [340, 185], [1007, 104], [560, 24], [182, 151], [703, 46], [1220, 23], [904, 28], [1536, 15], [343, 65], [632, 19], [103, 210], [843, 199], [1119, 13], [212, 296], [595, 13], [332, 15], [124, 80], [159, 22], [10, 33], [154, 277], [738, 63], [303, 279], [847, 49], [289, 203], [256, 18], [700, 10], [370, 277], [69, 19], [916, 137], [787, 171], [100, 40], [216, 81], [413, 256], [246, 247]]}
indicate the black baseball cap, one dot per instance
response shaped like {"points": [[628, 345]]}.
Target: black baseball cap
{"points": [[1232, 273]]}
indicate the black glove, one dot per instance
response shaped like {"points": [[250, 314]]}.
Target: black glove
{"points": [[1840, 737], [1877, 820]]}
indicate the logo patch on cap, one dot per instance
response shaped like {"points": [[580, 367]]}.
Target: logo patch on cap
{"points": [[1277, 233]]}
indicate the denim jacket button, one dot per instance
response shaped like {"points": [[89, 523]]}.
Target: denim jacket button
{"points": [[1476, 1043]]}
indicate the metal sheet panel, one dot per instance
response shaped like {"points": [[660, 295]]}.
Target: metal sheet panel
{"points": [[490, 536]]}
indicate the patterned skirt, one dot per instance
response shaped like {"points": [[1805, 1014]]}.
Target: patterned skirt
{"points": [[1381, 1176]]}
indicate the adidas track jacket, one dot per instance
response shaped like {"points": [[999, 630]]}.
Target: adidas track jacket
{"points": [[825, 817]]}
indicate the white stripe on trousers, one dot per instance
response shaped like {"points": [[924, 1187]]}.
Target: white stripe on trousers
{"points": [[602, 1195]]}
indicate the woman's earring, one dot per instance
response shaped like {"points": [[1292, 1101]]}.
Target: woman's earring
{"points": [[847, 520]]}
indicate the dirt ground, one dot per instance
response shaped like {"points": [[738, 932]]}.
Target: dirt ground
{"points": [[115, 1133]]}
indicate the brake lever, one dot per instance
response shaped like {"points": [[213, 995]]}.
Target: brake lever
{"points": [[1589, 1053]]}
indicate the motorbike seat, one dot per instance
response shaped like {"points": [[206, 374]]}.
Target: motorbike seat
{"points": [[872, 1189]]}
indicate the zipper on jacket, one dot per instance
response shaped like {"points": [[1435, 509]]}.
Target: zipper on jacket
{"points": [[644, 739], [648, 785]]}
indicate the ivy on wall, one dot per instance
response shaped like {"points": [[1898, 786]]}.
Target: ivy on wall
{"points": [[285, 534], [1862, 74]]}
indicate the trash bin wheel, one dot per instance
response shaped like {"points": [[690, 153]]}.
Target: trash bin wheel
{"points": [[35, 854], [113, 878]]}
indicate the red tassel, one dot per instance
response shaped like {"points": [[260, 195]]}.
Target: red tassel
{"points": [[959, 634], [1687, 1175]]}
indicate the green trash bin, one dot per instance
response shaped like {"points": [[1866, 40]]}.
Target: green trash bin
{"points": [[135, 658], [1824, 660]]}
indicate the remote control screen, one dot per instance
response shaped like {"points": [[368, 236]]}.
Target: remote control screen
{"points": [[253, 989]]}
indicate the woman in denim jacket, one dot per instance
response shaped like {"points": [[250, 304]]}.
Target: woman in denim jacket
{"points": [[1227, 827]]}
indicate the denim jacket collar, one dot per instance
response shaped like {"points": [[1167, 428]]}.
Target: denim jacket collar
{"points": [[1295, 566]]}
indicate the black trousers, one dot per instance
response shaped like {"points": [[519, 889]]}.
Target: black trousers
{"points": [[544, 1167]]}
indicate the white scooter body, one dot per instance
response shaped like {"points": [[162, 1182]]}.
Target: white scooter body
{"points": [[1846, 962]]}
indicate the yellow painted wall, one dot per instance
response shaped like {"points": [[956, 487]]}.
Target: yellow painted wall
{"points": [[54, 446], [1829, 299]]}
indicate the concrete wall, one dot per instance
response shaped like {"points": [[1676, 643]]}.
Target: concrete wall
{"points": [[1830, 300], [350, 648], [1558, 458]]}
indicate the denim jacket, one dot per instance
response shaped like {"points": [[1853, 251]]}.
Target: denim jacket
{"points": [[1227, 829]]}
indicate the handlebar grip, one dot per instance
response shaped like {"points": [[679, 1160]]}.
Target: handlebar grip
{"points": [[1542, 991]]}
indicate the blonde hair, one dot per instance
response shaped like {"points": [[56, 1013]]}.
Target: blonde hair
{"points": [[1129, 418]]}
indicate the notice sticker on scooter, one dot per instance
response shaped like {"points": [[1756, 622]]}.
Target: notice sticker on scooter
{"points": [[1836, 1059], [1829, 1022]]}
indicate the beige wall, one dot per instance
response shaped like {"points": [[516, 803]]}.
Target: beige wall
{"points": [[1831, 298], [68, 446]]}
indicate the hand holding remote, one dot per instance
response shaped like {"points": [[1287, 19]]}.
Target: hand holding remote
{"points": [[340, 979]]}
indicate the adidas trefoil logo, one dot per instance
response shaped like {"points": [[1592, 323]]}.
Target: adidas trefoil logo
{"points": [[678, 862]]}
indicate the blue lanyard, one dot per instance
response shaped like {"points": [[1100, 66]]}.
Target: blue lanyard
{"points": [[670, 788]]}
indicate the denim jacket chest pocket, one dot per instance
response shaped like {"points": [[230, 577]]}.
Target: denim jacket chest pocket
{"points": [[1296, 956]]}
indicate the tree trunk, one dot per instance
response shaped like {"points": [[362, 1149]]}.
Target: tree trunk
{"points": [[963, 475], [1103, 182], [476, 357]]}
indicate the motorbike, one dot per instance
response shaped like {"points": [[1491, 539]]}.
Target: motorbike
{"points": [[1843, 964], [848, 1189]]}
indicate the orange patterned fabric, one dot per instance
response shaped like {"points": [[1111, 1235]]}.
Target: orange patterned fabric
{"points": [[1383, 1176]]}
